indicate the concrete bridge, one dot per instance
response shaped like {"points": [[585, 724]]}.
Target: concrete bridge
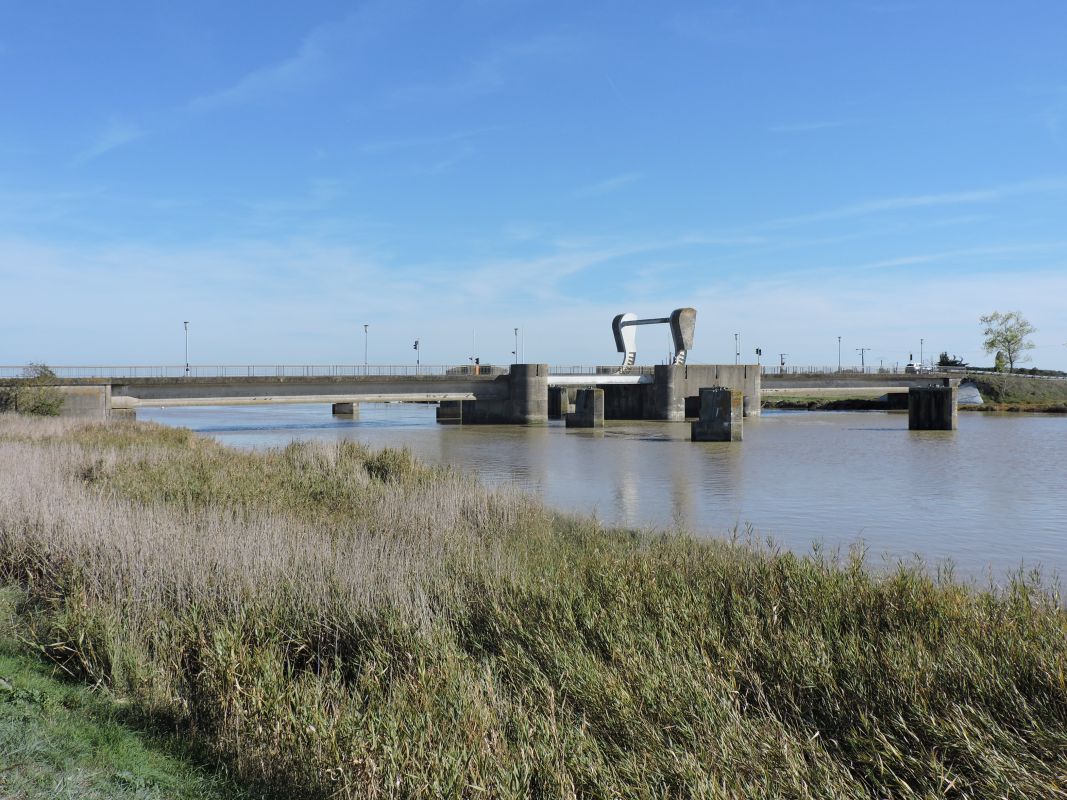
{"points": [[471, 395], [520, 394]]}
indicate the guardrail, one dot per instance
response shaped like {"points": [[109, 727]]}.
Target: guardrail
{"points": [[295, 370], [398, 370], [249, 370]]}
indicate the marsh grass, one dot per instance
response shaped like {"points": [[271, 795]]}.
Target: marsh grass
{"points": [[327, 620]]}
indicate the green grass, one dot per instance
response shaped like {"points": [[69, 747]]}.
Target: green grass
{"points": [[1022, 392], [335, 622], [60, 740], [860, 402]]}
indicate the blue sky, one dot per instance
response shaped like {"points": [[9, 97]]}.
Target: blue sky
{"points": [[281, 174]]}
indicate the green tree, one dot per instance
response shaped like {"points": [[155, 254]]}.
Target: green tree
{"points": [[34, 393], [1009, 333]]}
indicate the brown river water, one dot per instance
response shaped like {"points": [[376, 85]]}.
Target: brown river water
{"points": [[989, 498]]}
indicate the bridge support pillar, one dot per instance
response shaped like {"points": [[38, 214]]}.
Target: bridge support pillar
{"points": [[668, 395], [558, 402], [588, 409], [346, 409], [721, 414], [933, 408], [450, 412], [528, 402]]}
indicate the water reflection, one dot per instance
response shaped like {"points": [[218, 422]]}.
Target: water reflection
{"points": [[992, 495]]}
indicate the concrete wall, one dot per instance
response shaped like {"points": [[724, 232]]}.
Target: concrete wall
{"points": [[677, 384], [86, 402]]}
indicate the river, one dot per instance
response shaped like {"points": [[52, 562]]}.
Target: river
{"points": [[990, 497]]}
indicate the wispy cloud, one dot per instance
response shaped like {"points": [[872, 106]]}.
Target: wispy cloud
{"points": [[314, 60], [609, 185], [805, 127], [117, 134], [906, 202], [491, 71], [411, 142]]}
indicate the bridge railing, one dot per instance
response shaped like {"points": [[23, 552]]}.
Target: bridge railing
{"points": [[252, 370], [891, 369], [581, 369]]}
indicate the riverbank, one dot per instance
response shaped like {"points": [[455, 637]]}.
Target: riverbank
{"points": [[1000, 394], [60, 739], [328, 620]]}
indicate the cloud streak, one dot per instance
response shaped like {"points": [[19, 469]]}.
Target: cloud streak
{"points": [[609, 185], [805, 127], [315, 60], [118, 133], [908, 202]]}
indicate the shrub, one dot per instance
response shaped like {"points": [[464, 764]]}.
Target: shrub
{"points": [[34, 393]]}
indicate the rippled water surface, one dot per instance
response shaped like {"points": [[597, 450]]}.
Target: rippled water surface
{"points": [[991, 496]]}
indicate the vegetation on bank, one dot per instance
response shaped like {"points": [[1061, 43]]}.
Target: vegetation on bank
{"points": [[801, 402], [1014, 392], [60, 740], [325, 620], [33, 393]]}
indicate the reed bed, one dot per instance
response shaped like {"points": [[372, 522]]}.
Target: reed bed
{"points": [[330, 621]]}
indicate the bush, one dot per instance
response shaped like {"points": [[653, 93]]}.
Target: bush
{"points": [[34, 393]]}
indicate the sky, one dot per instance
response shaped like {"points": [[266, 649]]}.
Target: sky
{"points": [[282, 174]]}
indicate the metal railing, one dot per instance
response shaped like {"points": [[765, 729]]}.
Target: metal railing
{"points": [[399, 370], [248, 370], [139, 371], [894, 369]]}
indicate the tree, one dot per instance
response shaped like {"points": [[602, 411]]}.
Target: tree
{"points": [[35, 393], [1008, 333]]}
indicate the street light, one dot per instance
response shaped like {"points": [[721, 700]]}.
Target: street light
{"points": [[838, 353], [737, 348], [186, 324], [515, 352], [365, 326], [921, 342]]}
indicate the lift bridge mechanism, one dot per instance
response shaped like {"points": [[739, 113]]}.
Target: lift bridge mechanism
{"points": [[682, 321]]}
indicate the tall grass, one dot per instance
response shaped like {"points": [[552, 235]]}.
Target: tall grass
{"points": [[330, 621]]}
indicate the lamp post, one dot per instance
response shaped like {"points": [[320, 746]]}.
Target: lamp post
{"points": [[365, 336], [186, 324], [515, 352], [838, 353], [921, 342], [737, 348]]}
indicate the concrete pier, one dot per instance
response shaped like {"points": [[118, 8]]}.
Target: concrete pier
{"points": [[345, 409], [933, 408], [528, 401], [721, 415], [558, 402], [450, 412], [588, 409]]}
